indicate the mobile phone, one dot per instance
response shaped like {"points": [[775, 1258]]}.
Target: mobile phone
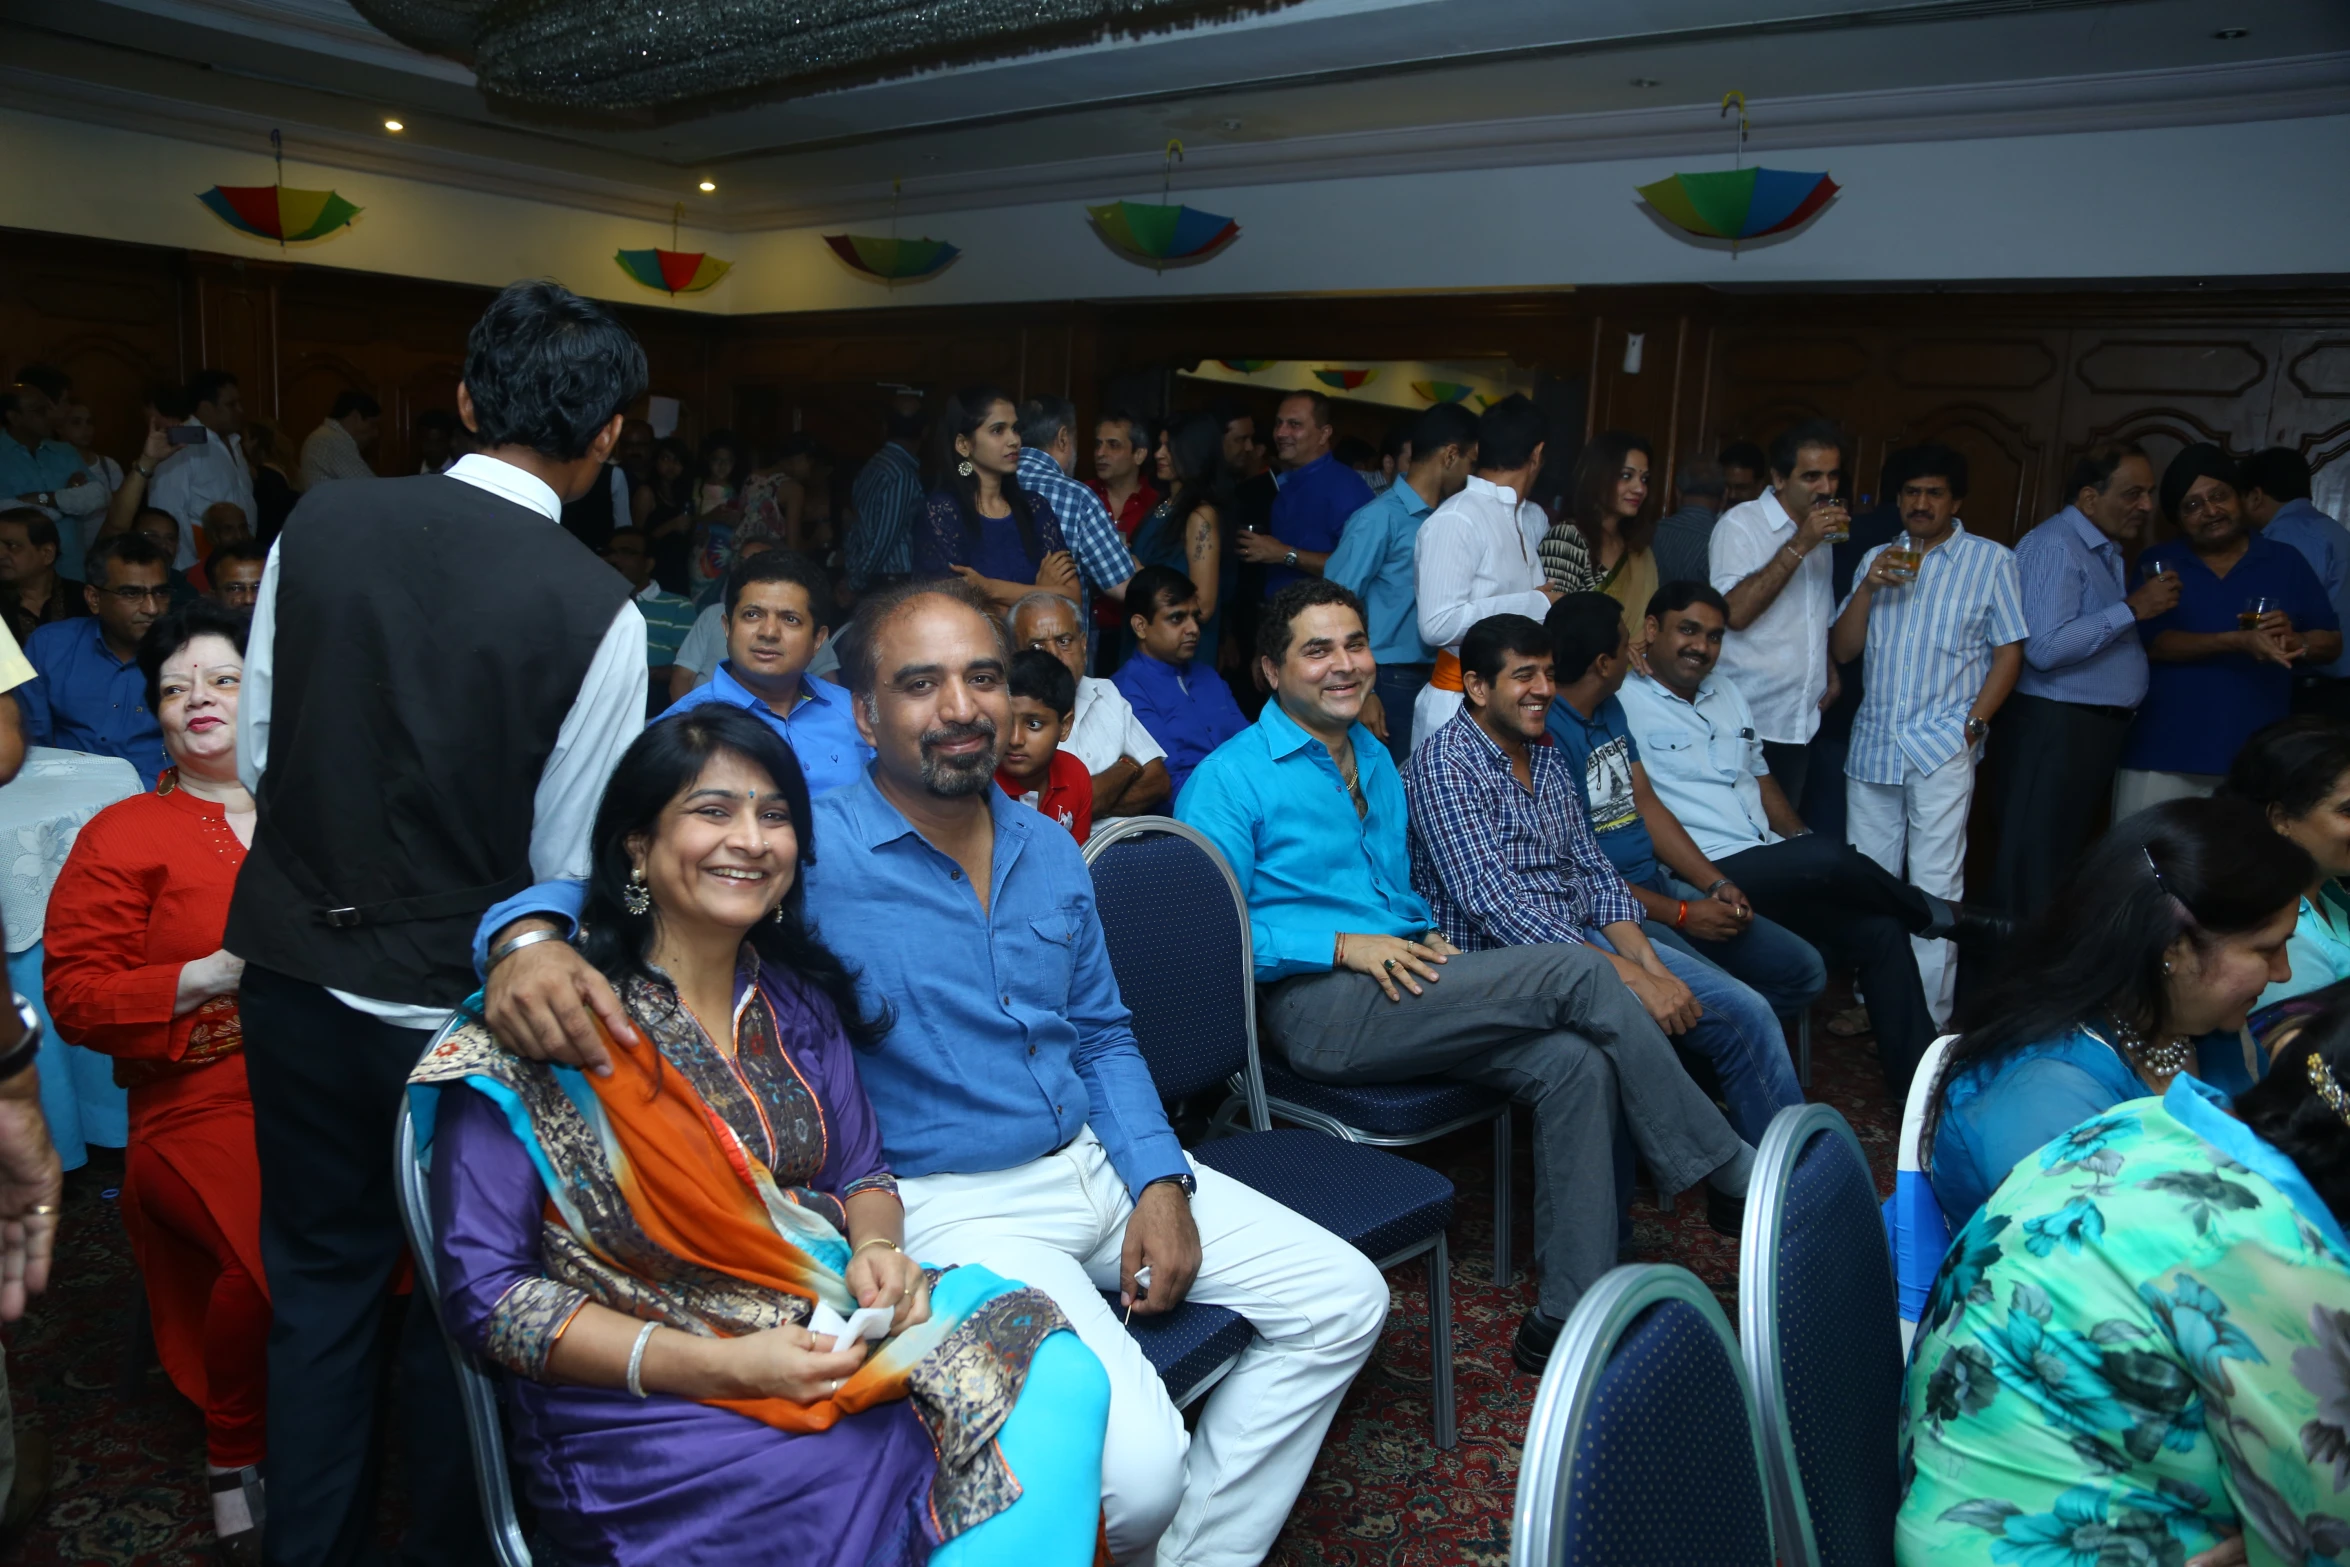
{"points": [[185, 435]]}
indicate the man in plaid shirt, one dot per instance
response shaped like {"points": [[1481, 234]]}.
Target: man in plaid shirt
{"points": [[1502, 849], [1048, 454]]}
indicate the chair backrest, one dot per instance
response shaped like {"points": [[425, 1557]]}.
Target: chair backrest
{"points": [[1642, 1449], [1820, 1334], [1915, 1226], [476, 1392], [1177, 929]]}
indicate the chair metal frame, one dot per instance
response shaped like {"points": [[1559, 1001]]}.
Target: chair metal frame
{"points": [[1562, 1403], [477, 1392], [1249, 1087], [1790, 1133]]}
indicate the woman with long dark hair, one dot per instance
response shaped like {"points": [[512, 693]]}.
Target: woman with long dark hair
{"points": [[979, 524], [2297, 771], [2142, 968], [717, 491], [2139, 1350], [664, 507], [1185, 532], [1601, 545], [648, 1253]]}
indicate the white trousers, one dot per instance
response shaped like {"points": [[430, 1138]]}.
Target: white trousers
{"points": [[2136, 788], [1218, 1497], [1917, 830]]}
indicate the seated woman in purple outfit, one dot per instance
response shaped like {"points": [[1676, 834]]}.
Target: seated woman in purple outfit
{"points": [[644, 1252], [980, 524]]}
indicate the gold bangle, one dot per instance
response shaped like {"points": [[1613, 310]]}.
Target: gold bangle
{"points": [[879, 1240]]}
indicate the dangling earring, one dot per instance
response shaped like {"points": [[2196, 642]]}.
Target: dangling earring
{"points": [[777, 916], [636, 897], [964, 468]]}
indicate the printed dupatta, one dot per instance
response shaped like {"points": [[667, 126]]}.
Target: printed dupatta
{"points": [[659, 1208]]}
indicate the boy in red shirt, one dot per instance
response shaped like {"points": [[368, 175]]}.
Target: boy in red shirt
{"points": [[1035, 770]]}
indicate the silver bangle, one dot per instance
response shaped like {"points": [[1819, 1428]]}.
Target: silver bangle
{"points": [[636, 1358], [528, 938]]}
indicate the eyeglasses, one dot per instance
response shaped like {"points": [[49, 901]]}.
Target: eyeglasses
{"points": [[139, 595]]}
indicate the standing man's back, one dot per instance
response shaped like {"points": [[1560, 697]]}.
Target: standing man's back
{"points": [[468, 675]]}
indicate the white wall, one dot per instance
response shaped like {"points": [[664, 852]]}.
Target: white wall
{"points": [[2087, 205]]}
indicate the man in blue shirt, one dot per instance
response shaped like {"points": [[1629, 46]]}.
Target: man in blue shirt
{"points": [[1359, 986], [1377, 560], [2060, 735], [772, 636], [36, 470], [1015, 1109], [2275, 497], [1318, 494], [1179, 697], [90, 694], [2221, 664], [887, 494], [1706, 918]]}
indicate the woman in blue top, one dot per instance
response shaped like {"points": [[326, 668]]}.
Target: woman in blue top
{"points": [[979, 524], [2297, 770], [2142, 967]]}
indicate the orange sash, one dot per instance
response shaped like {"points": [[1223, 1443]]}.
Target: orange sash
{"points": [[1448, 672]]}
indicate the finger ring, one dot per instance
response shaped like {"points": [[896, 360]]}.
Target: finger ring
{"points": [[45, 1208], [1390, 965], [835, 1386]]}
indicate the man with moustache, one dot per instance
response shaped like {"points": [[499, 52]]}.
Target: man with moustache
{"points": [[90, 694], [1016, 1111], [2221, 662], [1129, 768], [1318, 494], [1179, 697], [1359, 984], [2060, 736]]}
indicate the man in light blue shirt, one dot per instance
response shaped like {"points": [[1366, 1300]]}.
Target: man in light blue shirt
{"points": [[1360, 987], [1015, 1108], [2061, 734], [38, 471], [1938, 620], [1377, 560], [772, 636], [2275, 497]]}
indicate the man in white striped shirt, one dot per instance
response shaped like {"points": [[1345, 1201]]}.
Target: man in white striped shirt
{"points": [[1939, 616], [1479, 553]]}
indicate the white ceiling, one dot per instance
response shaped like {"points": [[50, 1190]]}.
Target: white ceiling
{"points": [[1323, 88]]}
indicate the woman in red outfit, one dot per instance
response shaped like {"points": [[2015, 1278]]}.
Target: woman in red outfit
{"points": [[136, 970]]}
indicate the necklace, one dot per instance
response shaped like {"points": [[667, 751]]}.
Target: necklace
{"points": [[2157, 1058], [1351, 776]]}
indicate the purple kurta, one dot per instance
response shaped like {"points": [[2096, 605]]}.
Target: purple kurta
{"points": [[665, 1479]]}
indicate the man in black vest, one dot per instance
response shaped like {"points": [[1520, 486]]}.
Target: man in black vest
{"points": [[462, 677]]}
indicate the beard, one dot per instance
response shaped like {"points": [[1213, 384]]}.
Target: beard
{"points": [[953, 777]]}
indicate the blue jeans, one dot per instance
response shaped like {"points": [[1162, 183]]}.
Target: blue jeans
{"points": [[1399, 686], [1739, 1035], [1773, 961]]}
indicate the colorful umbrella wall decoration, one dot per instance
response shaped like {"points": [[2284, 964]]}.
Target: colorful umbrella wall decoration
{"points": [[888, 258], [274, 211], [1247, 366], [1442, 391], [1345, 380], [1161, 233], [1738, 203], [672, 271]]}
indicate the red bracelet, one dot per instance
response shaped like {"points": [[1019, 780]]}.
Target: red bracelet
{"points": [[1681, 916]]}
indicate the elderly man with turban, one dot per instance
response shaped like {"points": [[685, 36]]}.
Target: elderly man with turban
{"points": [[2221, 664]]}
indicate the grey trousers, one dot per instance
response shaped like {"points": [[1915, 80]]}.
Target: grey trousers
{"points": [[1556, 1029]]}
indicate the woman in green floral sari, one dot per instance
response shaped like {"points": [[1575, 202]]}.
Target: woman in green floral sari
{"points": [[2137, 1354]]}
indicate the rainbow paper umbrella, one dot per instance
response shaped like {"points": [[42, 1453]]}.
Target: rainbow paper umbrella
{"points": [[673, 271], [1736, 204], [1248, 366], [892, 260], [1156, 234], [1346, 380], [1442, 391], [275, 212]]}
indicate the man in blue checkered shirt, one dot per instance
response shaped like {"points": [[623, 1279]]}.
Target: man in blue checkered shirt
{"points": [[1503, 851], [1048, 455]]}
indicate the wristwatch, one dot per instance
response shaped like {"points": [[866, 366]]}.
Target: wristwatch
{"points": [[1976, 729], [1190, 1184], [29, 1047], [1289, 559]]}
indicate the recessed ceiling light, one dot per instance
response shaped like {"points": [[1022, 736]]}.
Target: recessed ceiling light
{"points": [[2231, 34], [394, 125], [1646, 81], [709, 185]]}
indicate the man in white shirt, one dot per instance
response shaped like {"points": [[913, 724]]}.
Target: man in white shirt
{"points": [[210, 467], [446, 741], [1129, 768], [1480, 553], [1769, 562], [337, 449]]}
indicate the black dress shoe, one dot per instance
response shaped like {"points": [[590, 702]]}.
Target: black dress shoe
{"points": [[1537, 1336], [1979, 927], [1724, 1215]]}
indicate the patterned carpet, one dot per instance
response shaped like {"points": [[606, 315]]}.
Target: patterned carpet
{"points": [[127, 1485]]}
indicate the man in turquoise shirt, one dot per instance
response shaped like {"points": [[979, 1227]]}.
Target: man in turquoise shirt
{"points": [[1360, 988], [1377, 561]]}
